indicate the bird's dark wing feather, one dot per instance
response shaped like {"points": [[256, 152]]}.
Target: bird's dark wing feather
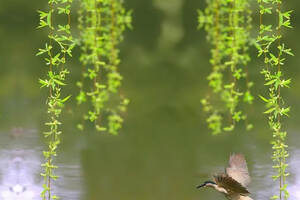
{"points": [[231, 185]]}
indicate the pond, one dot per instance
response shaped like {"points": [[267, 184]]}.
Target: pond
{"points": [[142, 167]]}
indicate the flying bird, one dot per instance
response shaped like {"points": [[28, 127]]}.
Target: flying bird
{"points": [[233, 183]]}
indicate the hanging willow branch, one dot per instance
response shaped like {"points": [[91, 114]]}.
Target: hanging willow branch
{"points": [[55, 52], [271, 47], [227, 24], [102, 23]]}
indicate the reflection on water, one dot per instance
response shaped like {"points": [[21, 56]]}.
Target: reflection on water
{"points": [[18, 171], [262, 185], [20, 159], [294, 185], [69, 185]]}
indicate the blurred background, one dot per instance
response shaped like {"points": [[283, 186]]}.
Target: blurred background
{"points": [[164, 149]]}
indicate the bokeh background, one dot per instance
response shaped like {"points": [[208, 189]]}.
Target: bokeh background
{"points": [[164, 149]]}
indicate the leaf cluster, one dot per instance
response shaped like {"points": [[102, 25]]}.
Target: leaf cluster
{"points": [[102, 23], [227, 24], [54, 53], [274, 51]]}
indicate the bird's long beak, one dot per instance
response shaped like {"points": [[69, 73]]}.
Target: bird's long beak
{"points": [[200, 186]]}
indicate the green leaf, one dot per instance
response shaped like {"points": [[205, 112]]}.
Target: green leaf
{"points": [[80, 127], [49, 21], [58, 82], [228, 128], [285, 111], [264, 99], [42, 24], [42, 14], [270, 82], [43, 83], [270, 110], [66, 98]]}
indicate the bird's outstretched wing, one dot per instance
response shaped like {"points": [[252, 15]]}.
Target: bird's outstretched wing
{"points": [[230, 185], [238, 169]]}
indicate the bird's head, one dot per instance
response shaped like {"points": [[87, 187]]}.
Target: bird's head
{"points": [[207, 184]]}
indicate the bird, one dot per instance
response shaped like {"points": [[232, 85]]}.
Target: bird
{"points": [[233, 183]]}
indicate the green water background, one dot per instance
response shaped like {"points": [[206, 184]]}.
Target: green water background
{"points": [[164, 149]]}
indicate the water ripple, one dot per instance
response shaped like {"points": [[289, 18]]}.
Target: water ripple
{"points": [[20, 160]]}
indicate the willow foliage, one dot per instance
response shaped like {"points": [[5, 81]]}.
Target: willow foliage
{"points": [[55, 52], [102, 23], [227, 24], [271, 47]]}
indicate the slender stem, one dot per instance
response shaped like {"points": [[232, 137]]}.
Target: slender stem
{"points": [[113, 31], [278, 96], [95, 26], [50, 93], [233, 24]]}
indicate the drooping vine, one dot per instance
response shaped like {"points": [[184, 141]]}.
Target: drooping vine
{"points": [[227, 24], [271, 47], [102, 23], [55, 53]]}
